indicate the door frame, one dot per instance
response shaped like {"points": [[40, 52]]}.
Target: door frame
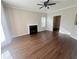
{"points": [[58, 23]]}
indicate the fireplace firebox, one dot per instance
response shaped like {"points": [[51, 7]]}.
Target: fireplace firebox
{"points": [[33, 29]]}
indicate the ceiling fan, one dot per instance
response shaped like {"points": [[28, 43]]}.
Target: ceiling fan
{"points": [[46, 4]]}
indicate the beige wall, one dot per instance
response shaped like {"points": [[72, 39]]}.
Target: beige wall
{"points": [[21, 19], [67, 21]]}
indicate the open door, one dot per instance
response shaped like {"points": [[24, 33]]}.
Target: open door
{"points": [[56, 23]]}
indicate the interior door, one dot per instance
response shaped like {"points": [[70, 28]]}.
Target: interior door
{"points": [[56, 23]]}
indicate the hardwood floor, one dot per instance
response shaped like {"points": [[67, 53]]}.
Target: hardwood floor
{"points": [[44, 45]]}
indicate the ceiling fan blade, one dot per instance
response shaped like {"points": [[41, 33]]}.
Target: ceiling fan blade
{"points": [[41, 7], [51, 4], [39, 4]]}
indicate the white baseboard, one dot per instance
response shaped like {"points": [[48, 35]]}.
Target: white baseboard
{"points": [[74, 37]]}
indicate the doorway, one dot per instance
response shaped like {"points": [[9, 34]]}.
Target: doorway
{"points": [[56, 23]]}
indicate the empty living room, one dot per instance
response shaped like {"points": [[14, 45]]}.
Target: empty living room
{"points": [[38, 29]]}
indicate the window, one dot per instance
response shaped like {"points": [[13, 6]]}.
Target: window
{"points": [[2, 34], [43, 22]]}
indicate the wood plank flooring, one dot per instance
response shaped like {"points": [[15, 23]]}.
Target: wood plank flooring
{"points": [[44, 45]]}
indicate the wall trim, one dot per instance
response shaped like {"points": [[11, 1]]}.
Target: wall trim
{"points": [[63, 9], [73, 37]]}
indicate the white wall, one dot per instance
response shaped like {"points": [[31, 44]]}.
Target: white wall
{"points": [[21, 19], [67, 21]]}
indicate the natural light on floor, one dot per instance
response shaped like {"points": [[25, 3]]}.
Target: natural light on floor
{"points": [[6, 55], [64, 31]]}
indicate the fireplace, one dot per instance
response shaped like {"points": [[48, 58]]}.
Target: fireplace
{"points": [[33, 29]]}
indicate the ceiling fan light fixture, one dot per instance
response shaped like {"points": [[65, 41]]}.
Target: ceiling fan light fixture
{"points": [[46, 4]]}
